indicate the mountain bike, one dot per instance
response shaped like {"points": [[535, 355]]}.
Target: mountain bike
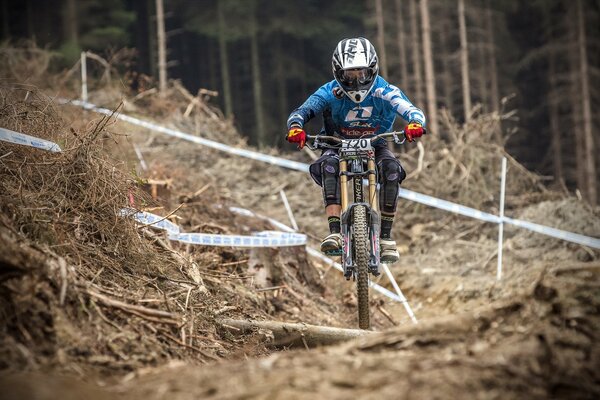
{"points": [[360, 219]]}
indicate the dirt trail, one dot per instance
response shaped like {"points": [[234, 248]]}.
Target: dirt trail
{"points": [[541, 344], [532, 335]]}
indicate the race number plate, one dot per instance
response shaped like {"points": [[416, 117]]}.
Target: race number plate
{"points": [[354, 145]]}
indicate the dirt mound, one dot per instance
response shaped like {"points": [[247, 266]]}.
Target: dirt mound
{"points": [[83, 287], [540, 344]]}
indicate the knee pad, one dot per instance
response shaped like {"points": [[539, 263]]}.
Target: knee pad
{"points": [[391, 174], [330, 172]]}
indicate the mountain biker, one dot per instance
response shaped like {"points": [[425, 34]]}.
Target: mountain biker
{"points": [[357, 103]]}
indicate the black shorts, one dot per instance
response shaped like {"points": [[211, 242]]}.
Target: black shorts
{"points": [[381, 153]]}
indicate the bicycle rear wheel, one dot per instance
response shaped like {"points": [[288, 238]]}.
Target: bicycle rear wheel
{"points": [[361, 262]]}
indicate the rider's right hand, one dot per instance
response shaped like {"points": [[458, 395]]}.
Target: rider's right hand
{"points": [[297, 135]]}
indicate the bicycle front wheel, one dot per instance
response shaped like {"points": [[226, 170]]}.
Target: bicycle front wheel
{"points": [[361, 262]]}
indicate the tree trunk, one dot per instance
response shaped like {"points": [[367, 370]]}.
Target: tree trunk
{"points": [[70, 22], [5, 20], [447, 78], [381, 38], [256, 82], [483, 77], [29, 14], [281, 88], [401, 46], [464, 60], [574, 92], [416, 55], [162, 47], [494, 94], [286, 334], [554, 124], [225, 76], [590, 166], [152, 41], [429, 74]]}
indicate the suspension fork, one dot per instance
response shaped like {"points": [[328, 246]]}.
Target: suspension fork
{"points": [[375, 220], [344, 184], [372, 185]]}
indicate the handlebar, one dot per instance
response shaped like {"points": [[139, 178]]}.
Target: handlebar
{"points": [[318, 138]]}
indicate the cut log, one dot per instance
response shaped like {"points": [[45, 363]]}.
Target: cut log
{"points": [[287, 334]]}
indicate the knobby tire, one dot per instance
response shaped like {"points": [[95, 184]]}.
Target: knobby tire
{"points": [[361, 260]]}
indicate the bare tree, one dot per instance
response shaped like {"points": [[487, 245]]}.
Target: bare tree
{"points": [[429, 76], [401, 45], [381, 38], [494, 94], [162, 47], [575, 96], [256, 78], [464, 60], [70, 22], [554, 124], [5, 19], [225, 76], [590, 166], [417, 77]]}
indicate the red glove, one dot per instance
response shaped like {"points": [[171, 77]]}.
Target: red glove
{"points": [[413, 130], [297, 135]]}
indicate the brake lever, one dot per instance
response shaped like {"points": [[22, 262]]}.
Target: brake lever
{"points": [[397, 139], [314, 145]]}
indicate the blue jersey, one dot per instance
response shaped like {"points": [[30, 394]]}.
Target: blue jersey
{"points": [[373, 116]]}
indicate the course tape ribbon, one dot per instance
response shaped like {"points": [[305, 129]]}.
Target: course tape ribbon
{"points": [[259, 239], [20, 138], [555, 233], [282, 162], [150, 219], [303, 167]]}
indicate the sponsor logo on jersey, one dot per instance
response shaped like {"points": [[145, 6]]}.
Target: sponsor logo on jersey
{"points": [[357, 132], [360, 124], [359, 114]]}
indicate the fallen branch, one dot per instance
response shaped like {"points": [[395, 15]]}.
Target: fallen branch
{"points": [[142, 312], [287, 334]]}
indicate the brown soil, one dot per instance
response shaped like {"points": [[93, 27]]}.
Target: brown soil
{"points": [[89, 296]]}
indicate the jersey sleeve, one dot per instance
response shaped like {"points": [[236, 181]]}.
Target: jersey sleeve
{"points": [[400, 103], [314, 105]]}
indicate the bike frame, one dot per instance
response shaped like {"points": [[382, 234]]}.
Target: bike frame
{"points": [[352, 171]]}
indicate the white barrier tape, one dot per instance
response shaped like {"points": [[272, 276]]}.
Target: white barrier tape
{"points": [[282, 162], [150, 219], [555, 233], [404, 193], [261, 239], [7, 135], [409, 310], [447, 206]]}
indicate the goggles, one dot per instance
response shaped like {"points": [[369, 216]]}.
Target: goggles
{"points": [[356, 77]]}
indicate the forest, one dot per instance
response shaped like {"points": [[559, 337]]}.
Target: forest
{"points": [[458, 59]]}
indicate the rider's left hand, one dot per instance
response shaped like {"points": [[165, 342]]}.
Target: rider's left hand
{"points": [[413, 130]]}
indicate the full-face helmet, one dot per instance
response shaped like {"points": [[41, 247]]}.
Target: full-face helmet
{"points": [[355, 67]]}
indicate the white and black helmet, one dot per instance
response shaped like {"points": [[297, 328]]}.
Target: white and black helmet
{"points": [[355, 67]]}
